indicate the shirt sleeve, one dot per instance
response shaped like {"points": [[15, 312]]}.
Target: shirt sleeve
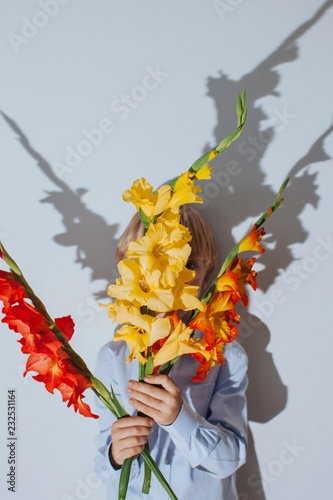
{"points": [[105, 366], [217, 443]]}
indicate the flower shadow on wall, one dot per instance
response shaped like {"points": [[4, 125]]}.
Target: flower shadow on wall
{"points": [[244, 179], [83, 226]]}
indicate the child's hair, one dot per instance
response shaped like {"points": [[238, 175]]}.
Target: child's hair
{"points": [[203, 243]]}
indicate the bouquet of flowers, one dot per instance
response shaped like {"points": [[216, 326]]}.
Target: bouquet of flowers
{"points": [[154, 281]]}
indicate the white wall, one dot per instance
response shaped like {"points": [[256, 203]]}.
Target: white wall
{"points": [[65, 77]]}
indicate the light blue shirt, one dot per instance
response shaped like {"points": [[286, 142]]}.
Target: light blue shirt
{"points": [[200, 452]]}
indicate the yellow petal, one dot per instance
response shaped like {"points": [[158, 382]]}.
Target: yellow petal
{"points": [[136, 341], [180, 342], [204, 172]]}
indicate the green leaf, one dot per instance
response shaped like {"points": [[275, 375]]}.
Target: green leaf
{"points": [[244, 97], [277, 202], [124, 478], [200, 162], [239, 106], [149, 366], [241, 110], [156, 471], [121, 411], [147, 474], [229, 258], [144, 219], [172, 183], [9, 261], [165, 368]]}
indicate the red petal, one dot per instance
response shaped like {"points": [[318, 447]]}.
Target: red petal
{"points": [[66, 325], [10, 290], [83, 408]]}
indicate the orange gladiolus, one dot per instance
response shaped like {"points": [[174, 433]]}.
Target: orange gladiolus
{"points": [[216, 322], [216, 317], [252, 240], [205, 365], [235, 278]]}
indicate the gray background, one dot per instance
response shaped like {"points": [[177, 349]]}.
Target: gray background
{"points": [[66, 68]]}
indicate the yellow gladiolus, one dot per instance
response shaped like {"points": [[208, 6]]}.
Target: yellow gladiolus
{"points": [[136, 340], [180, 342], [164, 248], [184, 191], [142, 196], [143, 331], [204, 172], [141, 288]]}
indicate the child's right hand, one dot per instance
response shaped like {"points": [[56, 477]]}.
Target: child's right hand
{"points": [[129, 436]]}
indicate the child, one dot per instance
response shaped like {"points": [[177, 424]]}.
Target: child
{"points": [[196, 430]]}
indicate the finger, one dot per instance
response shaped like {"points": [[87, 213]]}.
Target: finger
{"points": [[132, 441], [166, 382], [147, 399], [144, 408], [126, 422], [132, 432], [135, 388], [127, 449]]}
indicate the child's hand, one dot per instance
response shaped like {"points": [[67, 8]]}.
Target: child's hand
{"points": [[129, 436], [163, 405]]}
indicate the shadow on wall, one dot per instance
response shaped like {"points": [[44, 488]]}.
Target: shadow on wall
{"points": [[266, 395], [87, 231], [237, 191], [90, 233]]}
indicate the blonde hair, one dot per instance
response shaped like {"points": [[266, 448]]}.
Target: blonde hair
{"points": [[203, 243]]}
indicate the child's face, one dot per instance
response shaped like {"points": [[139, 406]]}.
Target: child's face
{"points": [[200, 280], [200, 267]]}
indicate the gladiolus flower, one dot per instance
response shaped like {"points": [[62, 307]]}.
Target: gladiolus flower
{"points": [[66, 325], [142, 196], [143, 289], [164, 248], [237, 275], [140, 331], [205, 365], [178, 343], [252, 241], [46, 354], [184, 191], [185, 296], [216, 317], [10, 290], [204, 172], [136, 340], [246, 275]]}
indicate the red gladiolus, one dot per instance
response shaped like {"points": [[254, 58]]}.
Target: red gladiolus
{"points": [[66, 325], [47, 357], [10, 290]]}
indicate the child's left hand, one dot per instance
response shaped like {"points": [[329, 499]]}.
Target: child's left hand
{"points": [[162, 405]]}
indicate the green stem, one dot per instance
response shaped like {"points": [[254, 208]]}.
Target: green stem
{"points": [[241, 110], [156, 471], [124, 478], [147, 473]]}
